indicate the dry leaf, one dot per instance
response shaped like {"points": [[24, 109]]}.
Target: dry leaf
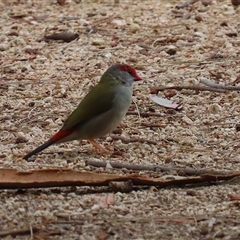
{"points": [[64, 36], [165, 102]]}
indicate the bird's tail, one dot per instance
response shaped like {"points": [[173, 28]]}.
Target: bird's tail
{"points": [[59, 137], [39, 149]]}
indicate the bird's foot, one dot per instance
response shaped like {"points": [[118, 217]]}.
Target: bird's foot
{"points": [[99, 146]]}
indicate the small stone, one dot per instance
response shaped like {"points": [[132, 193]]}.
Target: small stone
{"points": [[4, 46], [235, 2], [237, 127], [89, 29], [224, 24], [171, 50], [191, 193], [232, 34], [186, 15], [199, 34], [53, 125], [215, 108], [31, 104], [119, 22], [170, 93], [198, 18], [187, 120], [207, 2], [125, 187], [48, 99], [98, 42], [134, 27], [24, 69], [21, 139], [61, 2], [153, 189]]}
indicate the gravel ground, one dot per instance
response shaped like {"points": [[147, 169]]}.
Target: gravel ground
{"points": [[42, 82]]}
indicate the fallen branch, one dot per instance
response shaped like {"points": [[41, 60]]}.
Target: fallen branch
{"points": [[219, 86], [14, 233], [175, 219], [145, 114], [155, 90], [45, 178], [179, 170]]}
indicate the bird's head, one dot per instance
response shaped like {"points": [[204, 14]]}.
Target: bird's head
{"points": [[121, 73]]}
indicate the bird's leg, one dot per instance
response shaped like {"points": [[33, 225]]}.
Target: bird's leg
{"points": [[97, 145]]}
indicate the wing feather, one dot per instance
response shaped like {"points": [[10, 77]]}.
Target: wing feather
{"points": [[96, 102]]}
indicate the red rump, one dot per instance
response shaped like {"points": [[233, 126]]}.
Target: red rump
{"points": [[131, 71], [60, 135]]}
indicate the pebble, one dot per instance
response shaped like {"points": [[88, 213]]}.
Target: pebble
{"points": [[134, 27]]}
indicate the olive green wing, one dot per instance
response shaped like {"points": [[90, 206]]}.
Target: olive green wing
{"points": [[96, 102]]}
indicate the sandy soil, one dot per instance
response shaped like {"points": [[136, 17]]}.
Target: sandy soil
{"points": [[42, 82]]}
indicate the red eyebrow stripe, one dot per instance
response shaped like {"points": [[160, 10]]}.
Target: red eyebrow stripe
{"points": [[127, 68], [134, 73]]}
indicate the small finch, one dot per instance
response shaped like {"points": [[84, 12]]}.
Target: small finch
{"points": [[100, 111]]}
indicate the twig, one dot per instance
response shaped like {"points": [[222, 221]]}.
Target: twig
{"points": [[145, 114], [105, 19], [70, 43], [14, 233], [154, 125], [80, 219], [219, 86], [186, 4], [155, 90], [133, 139], [137, 110], [31, 231], [179, 170]]}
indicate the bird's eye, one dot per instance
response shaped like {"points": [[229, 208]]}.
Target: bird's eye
{"points": [[130, 72]]}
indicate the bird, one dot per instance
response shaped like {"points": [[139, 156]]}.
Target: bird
{"points": [[100, 111]]}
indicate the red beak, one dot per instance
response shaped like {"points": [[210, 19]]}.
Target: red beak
{"points": [[137, 77]]}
